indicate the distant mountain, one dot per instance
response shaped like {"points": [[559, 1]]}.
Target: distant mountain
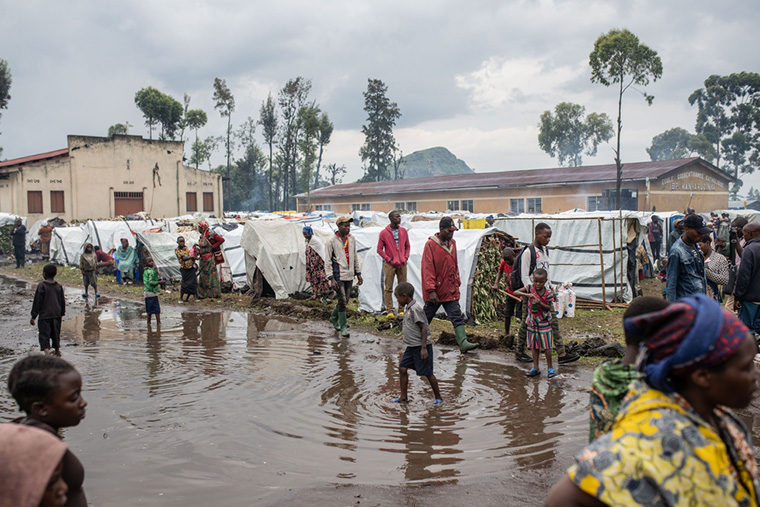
{"points": [[433, 162]]}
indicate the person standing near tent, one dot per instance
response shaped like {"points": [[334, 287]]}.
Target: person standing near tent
{"points": [[19, 243], [747, 293], [532, 257], [345, 264], [675, 234], [45, 233], [88, 264], [440, 280], [654, 233], [125, 260], [187, 270], [393, 247], [686, 263], [209, 243], [315, 264]]}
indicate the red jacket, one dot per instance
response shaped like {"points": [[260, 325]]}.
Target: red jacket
{"points": [[394, 255], [440, 270]]}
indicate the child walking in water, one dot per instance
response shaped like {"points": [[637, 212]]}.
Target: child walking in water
{"points": [[419, 352], [50, 306], [540, 306], [88, 263], [150, 278], [49, 390]]}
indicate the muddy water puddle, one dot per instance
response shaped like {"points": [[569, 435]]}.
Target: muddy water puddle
{"points": [[227, 409]]}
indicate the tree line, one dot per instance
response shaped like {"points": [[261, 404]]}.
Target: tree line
{"points": [[295, 132]]}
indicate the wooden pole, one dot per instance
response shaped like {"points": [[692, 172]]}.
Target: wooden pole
{"points": [[614, 262], [623, 246], [601, 258]]}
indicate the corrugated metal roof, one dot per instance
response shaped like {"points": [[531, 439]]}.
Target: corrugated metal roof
{"points": [[529, 177], [35, 158]]}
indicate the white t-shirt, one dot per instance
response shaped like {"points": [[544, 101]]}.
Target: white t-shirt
{"points": [[542, 261]]}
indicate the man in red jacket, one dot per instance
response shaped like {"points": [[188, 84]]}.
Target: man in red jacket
{"points": [[393, 247], [440, 280]]}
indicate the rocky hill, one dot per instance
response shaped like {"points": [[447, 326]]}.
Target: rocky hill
{"points": [[433, 162]]}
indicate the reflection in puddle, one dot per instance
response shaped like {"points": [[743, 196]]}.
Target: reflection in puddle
{"points": [[250, 405]]}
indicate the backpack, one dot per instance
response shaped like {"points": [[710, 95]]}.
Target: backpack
{"points": [[515, 279]]}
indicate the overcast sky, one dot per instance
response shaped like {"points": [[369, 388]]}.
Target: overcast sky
{"points": [[471, 76]]}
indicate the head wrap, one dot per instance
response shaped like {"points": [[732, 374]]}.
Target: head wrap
{"points": [[307, 229], [693, 332], [202, 226], [28, 457]]}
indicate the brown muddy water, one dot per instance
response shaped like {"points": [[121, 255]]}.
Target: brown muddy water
{"points": [[237, 409]]}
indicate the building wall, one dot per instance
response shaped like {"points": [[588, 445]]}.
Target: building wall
{"points": [[671, 193], [97, 168]]}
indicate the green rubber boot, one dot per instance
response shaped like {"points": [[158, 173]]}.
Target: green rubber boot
{"points": [[334, 319], [464, 345], [343, 328]]}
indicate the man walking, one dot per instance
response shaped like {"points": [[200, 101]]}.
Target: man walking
{"points": [[654, 234], [539, 252], [747, 292], [344, 264], [440, 280], [19, 243], [686, 264], [393, 247]]}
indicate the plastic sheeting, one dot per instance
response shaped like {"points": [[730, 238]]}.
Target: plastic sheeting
{"points": [[574, 250], [161, 246], [107, 234], [66, 245], [234, 256]]}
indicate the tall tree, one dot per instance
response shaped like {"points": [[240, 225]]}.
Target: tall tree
{"points": [[159, 108], [619, 58], [5, 88], [567, 134], [225, 103], [246, 188], [148, 102], [268, 122], [201, 151], [336, 173], [183, 120], [680, 143], [325, 133], [308, 118], [291, 99], [379, 142], [118, 128], [729, 117], [169, 116], [195, 119]]}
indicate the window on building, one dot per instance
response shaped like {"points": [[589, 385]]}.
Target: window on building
{"points": [[400, 206], [191, 201], [365, 207], [56, 202], [411, 206], [452, 205], [327, 207], [517, 205], [208, 201], [534, 205], [317, 207], [356, 207], [467, 206], [595, 203], [34, 201]]}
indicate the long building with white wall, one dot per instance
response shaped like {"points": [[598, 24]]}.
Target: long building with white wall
{"points": [[105, 177]]}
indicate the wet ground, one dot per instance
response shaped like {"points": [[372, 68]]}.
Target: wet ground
{"points": [[238, 409]]}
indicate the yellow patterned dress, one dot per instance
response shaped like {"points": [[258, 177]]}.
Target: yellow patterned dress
{"points": [[660, 452]]}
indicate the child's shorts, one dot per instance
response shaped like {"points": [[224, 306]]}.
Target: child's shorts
{"points": [[151, 306], [413, 360], [50, 331], [513, 308]]}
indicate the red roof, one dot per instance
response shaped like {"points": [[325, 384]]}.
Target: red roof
{"points": [[529, 177], [35, 158]]}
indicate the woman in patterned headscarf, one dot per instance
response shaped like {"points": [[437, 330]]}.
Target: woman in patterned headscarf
{"points": [[675, 441], [315, 264], [208, 282]]}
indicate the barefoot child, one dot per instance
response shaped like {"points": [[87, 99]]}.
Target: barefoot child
{"points": [[419, 353], [49, 390], [50, 306], [513, 304], [150, 278], [540, 301], [88, 263]]}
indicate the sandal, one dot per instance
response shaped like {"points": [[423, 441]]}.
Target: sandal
{"points": [[533, 372], [552, 373]]}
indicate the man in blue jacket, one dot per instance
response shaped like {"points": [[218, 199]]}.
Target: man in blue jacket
{"points": [[747, 292], [686, 264]]}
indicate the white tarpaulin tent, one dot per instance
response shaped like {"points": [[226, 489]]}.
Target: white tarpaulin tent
{"points": [[66, 245], [161, 246], [580, 242], [276, 248], [234, 256], [107, 234]]}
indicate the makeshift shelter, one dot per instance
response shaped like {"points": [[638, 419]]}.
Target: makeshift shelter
{"points": [[107, 234], [161, 246], [234, 256], [67, 244], [588, 249]]}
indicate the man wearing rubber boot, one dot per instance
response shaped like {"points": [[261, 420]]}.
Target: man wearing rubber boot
{"points": [[542, 236], [340, 253], [440, 280]]}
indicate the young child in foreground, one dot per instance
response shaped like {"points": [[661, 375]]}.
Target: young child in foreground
{"points": [[419, 352], [513, 305], [49, 390], [612, 378], [50, 306], [540, 308], [152, 283]]}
